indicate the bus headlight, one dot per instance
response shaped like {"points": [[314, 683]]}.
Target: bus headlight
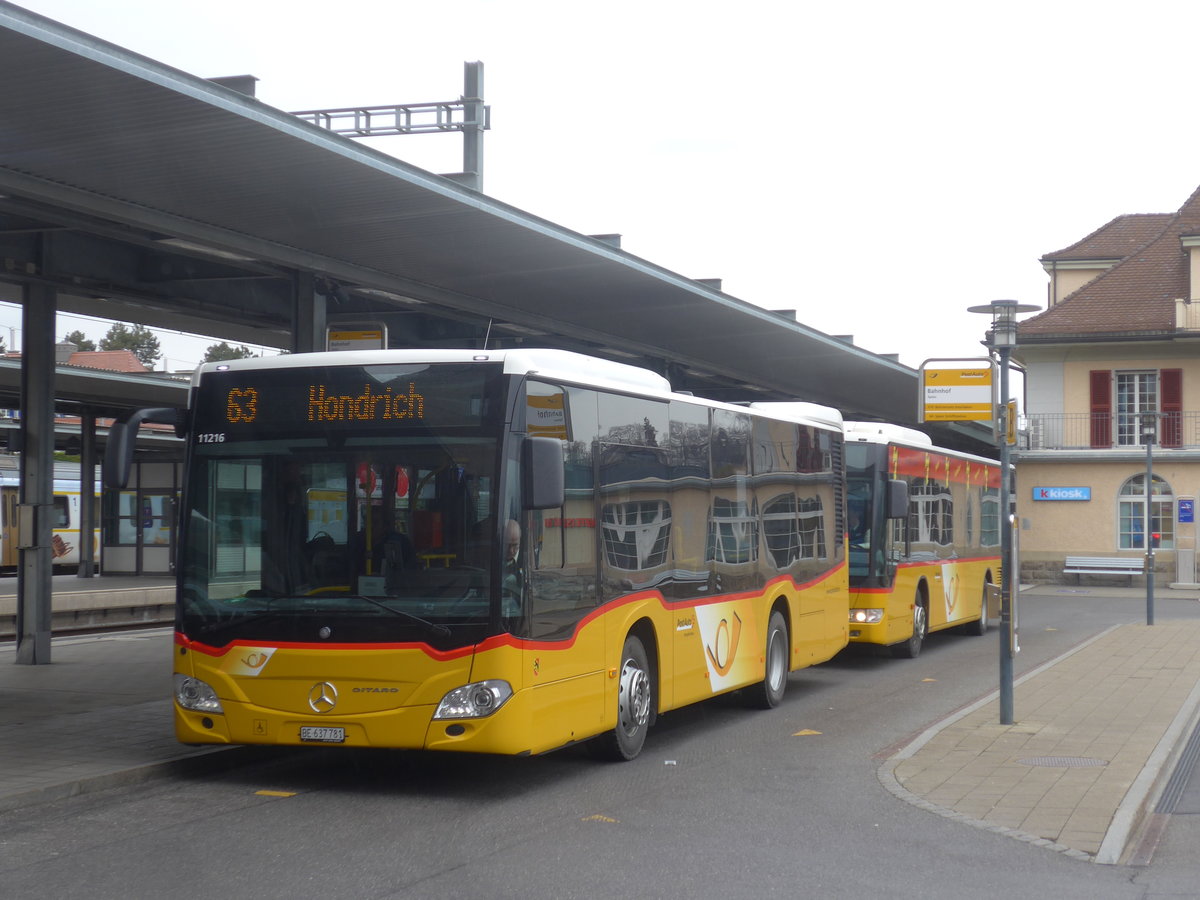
{"points": [[474, 701], [866, 616], [194, 694]]}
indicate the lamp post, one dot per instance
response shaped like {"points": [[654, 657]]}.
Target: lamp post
{"points": [[1001, 339], [1149, 433]]}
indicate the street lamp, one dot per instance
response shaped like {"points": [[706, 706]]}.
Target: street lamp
{"points": [[1001, 338], [1149, 433]]}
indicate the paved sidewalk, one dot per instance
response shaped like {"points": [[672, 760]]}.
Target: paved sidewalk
{"points": [[1097, 735], [98, 716]]}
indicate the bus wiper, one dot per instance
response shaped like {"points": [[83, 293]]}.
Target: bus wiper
{"points": [[247, 618], [430, 627]]}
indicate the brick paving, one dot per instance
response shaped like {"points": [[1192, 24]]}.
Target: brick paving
{"points": [[1078, 769]]}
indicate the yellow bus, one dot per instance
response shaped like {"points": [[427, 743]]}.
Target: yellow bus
{"points": [[924, 537], [64, 512], [499, 552]]}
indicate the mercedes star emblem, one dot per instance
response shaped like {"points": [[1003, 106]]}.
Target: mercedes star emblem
{"points": [[323, 697]]}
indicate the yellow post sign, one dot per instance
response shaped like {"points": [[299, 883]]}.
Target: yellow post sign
{"points": [[957, 395], [546, 415], [357, 336]]}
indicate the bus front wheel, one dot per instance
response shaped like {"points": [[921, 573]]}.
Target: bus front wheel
{"points": [[911, 648], [635, 699]]}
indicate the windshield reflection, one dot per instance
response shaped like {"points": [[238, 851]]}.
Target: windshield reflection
{"points": [[385, 543]]}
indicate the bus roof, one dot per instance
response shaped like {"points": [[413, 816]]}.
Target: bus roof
{"points": [[801, 411], [549, 363], [886, 433], [559, 365]]}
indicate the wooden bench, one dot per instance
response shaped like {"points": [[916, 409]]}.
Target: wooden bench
{"points": [[1104, 565]]}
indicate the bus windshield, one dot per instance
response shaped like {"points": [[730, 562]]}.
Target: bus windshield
{"points": [[343, 530], [865, 480], [377, 539]]}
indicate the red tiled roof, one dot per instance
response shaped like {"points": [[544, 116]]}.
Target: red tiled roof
{"points": [[111, 360], [1117, 239], [1135, 298]]}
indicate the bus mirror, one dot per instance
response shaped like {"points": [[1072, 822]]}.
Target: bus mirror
{"points": [[897, 499], [122, 438], [118, 457], [542, 472]]}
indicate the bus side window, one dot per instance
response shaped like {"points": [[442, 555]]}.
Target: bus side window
{"points": [[62, 514]]}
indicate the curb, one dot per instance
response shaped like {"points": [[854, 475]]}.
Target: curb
{"points": [[1135, 816], [887, 777], [202, 761]]}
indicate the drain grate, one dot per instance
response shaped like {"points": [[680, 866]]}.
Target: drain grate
{"points": [[1181, 776], [1066, 762]]}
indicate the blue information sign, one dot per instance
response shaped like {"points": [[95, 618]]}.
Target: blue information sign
{"points": [[1062, 493], [1187, 510]]}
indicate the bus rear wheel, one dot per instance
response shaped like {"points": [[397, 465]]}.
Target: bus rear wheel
{"points": [[979, 627], [768, 693], [635, 700], [911, 648]]}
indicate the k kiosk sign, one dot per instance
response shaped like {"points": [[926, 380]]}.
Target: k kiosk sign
{"points": [[1062, 493]]}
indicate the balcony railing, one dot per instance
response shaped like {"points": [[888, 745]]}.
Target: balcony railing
{"points": [[1088, 431]]}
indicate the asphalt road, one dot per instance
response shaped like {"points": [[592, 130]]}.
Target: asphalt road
{"points": [[724, 802]]}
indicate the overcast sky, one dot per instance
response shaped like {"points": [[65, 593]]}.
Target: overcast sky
{"points": [[877, 166]]}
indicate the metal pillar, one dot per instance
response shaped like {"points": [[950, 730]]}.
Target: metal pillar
{"points": [[87, 494], [1008, 578], [1002, 338], [308, 315], [35, 528], [468, 114], [1149, 423], [474, 122]]}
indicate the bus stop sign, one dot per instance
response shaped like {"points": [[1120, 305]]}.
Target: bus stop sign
{"points": [[957, 394]]}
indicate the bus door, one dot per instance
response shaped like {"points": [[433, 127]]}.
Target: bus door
{"points": [[897, 544], [8, 526]]}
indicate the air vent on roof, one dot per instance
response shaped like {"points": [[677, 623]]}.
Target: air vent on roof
{"points": [[243, 84]]}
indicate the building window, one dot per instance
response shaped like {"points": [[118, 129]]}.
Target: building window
{"points": [[1131, 514], [1118, 399], [1137, 392]]}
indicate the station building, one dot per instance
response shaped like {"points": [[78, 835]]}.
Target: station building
{"points": [[1114, 352]]}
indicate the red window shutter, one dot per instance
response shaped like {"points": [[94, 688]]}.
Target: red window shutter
{"points": [[1100, 389], [1170, 389]]}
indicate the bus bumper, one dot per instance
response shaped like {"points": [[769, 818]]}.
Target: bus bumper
{"points": [[506, 731]]}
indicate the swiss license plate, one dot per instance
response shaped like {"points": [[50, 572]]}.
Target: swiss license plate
{"points": [[322, 734]]}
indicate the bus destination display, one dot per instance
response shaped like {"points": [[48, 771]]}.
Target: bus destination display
{"points": [[245, 405]]}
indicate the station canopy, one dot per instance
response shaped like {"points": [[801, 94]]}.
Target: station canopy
{"points": [[147, 195]]}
